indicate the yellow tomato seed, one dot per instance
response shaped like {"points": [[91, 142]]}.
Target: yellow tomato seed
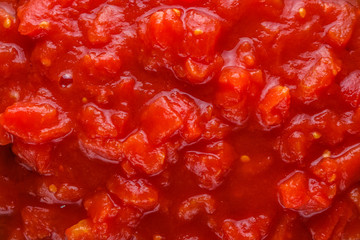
{"points": [[7, 23], [302, 12], [326, 154], [52, 188], [46, 62], [198, 32], [177, 11], [44, 25], [332, 178], [245, 158], [316, 135]]}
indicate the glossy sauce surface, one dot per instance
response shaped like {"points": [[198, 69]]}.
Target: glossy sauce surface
{"points": [[180, 119]]}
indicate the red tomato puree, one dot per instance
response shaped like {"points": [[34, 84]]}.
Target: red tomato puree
{"points": [[180, 119]]}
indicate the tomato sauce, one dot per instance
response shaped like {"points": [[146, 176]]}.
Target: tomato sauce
{"points": [[180, 119]]}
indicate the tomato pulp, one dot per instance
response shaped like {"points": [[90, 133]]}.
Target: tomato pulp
{"points": [[180, 119]]}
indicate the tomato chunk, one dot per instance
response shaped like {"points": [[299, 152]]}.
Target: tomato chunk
{"points": [[35, 122], [319, 77], [234, 82], [165, 28], [254, 228], [306, 195], [211, 165], [141, 153], [37, 157], [332, 224], [275, 106], [109, 20], [196, 204], [81, 231], [160, 121], [202, 33], [100, 207], [342, 170], [137, 192], [38, 222], [96, 123]]}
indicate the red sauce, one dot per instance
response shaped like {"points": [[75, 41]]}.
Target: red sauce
{"points": [[180, 119]]}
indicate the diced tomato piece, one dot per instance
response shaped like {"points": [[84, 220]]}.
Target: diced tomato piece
{"points": [[246, 52], [35, 122], [340, 30], [294, 146], [34, 18], [231, 96], [120, 120], [331, 224], [350, 88], [252, 228], [39, 18], [293, 191], [165, 29], [109, 20], [216, 129], [160, 121], [202, 33], [38, 222], [195, 205], [46, 53], [103, 147], [50, 191], [100, 207], [87, 230], [96, 123], [189, 113], [235, 78], [8, 196], [141, 154], [325, 127], [306, 195], [327, 123], [101, 65], [81, 231], [129, 215], [69, 193], [319, 77], [212, 164], [37, 157], [138, 192], [200, 73], [274, 107], [12, 59], [342, 169]]}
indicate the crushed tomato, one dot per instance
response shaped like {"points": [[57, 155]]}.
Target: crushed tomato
{"points": [[180, 119]]}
